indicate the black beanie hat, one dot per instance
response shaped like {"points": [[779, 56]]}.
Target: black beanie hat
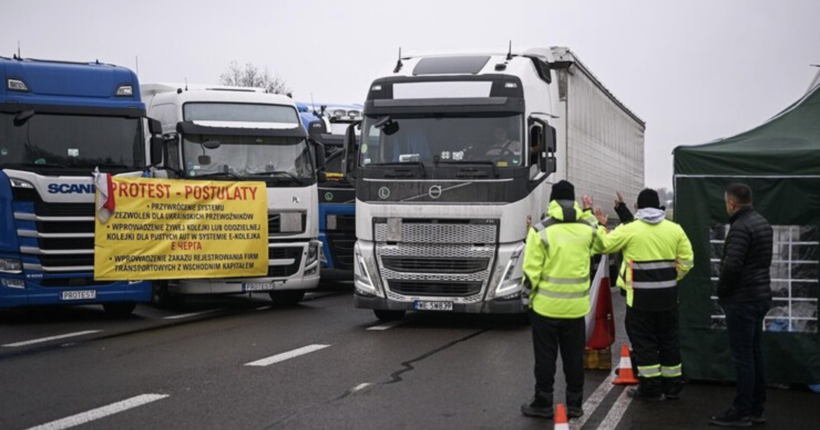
{"points": [[648, 198], [563, 190]]}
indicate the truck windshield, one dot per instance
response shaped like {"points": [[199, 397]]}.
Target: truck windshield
{"points": [[496, 139], [71, 141], [247, 156]]}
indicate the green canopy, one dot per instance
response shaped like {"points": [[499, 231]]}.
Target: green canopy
{"points": [[780, 160]]}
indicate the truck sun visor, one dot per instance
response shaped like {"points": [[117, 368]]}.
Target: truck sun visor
{"points": [[442, 90]]}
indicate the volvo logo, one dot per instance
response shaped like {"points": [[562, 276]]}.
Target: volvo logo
{"points": [[384, 193], [434, 192], [329, 196]]}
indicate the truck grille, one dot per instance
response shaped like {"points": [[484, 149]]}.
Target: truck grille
{"points": [[460, 269], [342, 240], [417, 288], [281, 254], [433, 265], [437, 231], [66, 251]]}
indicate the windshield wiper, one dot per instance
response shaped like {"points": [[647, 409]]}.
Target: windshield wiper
{"points": [[419, 164], [49, 165], [214, 174], [278, 172], [112, 165], [478, 162]]}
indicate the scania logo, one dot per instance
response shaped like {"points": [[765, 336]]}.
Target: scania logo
{"points": [[384, 193], [434, 192], [71, 188]]}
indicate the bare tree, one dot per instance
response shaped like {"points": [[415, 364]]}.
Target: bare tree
{"points": [[250, 76]]}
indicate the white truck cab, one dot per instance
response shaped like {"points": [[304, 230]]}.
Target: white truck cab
{"points": [[245, 134]]}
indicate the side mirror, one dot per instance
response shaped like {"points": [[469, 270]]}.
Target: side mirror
{"points": [[319, 153], [154, 127], [157, 147], [544, 135], [550, 163], [316, 129], [351, 152]]}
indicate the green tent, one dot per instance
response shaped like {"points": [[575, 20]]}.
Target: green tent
{"points": [[780, 160]]}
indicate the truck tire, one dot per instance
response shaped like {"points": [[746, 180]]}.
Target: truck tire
{"points": [[287, 298], [164, 299], [384, 315], [119, 309]]}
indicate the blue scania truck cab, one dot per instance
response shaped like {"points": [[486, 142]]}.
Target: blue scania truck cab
{"points": [[337, 198], [59, 121]]}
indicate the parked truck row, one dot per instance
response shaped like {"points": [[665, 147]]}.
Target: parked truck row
{"points": [[422, 196]]}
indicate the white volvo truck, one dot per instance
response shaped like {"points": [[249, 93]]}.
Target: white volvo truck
{"points": [[245, 134], [457, 156]]}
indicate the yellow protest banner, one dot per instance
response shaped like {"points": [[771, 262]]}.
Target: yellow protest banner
{"points": [[148, 229]]}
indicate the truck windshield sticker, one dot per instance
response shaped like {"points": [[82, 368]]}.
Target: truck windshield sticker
{"points": [[73, 152]]}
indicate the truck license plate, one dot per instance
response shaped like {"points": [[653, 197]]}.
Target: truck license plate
{"points": [[80, 295], [258, 286], [434, 306]]}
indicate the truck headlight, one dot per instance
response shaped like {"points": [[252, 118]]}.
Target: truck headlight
{"points": [[509, 282], [13, 283], [19, 183], [10, 265], [313, 253], [362, 279]]}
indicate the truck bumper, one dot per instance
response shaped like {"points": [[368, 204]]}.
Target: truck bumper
{"points": [[507, 306], [36, 295]]}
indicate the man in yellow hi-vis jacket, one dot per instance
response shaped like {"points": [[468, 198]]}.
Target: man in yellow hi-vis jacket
{"points": [[657, 254], [557, 262]]}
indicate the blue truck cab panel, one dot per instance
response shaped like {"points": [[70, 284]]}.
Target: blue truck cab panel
{"points": [[58, 122], [337, 198]]}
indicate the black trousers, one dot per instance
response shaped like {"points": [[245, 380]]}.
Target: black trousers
{"points": [[744, 322], [655, 343], [549, 335]]}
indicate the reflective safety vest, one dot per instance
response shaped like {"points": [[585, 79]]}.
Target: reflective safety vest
{"points": [[656, 257], [557, 261]]}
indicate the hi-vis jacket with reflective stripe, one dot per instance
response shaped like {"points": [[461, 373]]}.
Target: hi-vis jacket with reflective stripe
{"points": [[557, 261], [657, 254]]}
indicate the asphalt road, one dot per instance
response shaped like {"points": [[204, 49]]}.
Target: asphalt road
{"points": [[238, 363]]}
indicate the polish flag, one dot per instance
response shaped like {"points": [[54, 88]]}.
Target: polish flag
{"points": [[105, 196], [600, 321]]}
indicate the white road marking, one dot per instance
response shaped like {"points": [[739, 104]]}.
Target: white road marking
{"points": [[387, 326], [594, 401], [102, 412], [264, 308], [287, 355], [360, 387], [193, 314], [615, 414], [50, 338]]}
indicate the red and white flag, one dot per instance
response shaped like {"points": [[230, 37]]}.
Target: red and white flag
{"points": [[105, 196]]}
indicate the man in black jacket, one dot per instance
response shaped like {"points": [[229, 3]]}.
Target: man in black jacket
{"points": [[744, 292]]}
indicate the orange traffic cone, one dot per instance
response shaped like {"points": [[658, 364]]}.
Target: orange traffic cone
{"points": [[561, 422], [625, 374]]}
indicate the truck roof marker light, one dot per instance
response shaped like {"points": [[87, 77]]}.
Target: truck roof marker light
{"points": [[125, 91], [510, 85], [376, 88], [16, 85]]}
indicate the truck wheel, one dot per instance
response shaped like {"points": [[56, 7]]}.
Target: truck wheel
{"points": [[119, 309], [384, 315], [287, 298], [163, 299]]}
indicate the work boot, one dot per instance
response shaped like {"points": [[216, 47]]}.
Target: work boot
{"points": [[648, 389], [672, 388], [757, 416], [575, 405], [540, 406], [731, 418]]}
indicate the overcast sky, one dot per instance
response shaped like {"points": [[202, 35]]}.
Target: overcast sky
{"points": [[694, 71]]}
